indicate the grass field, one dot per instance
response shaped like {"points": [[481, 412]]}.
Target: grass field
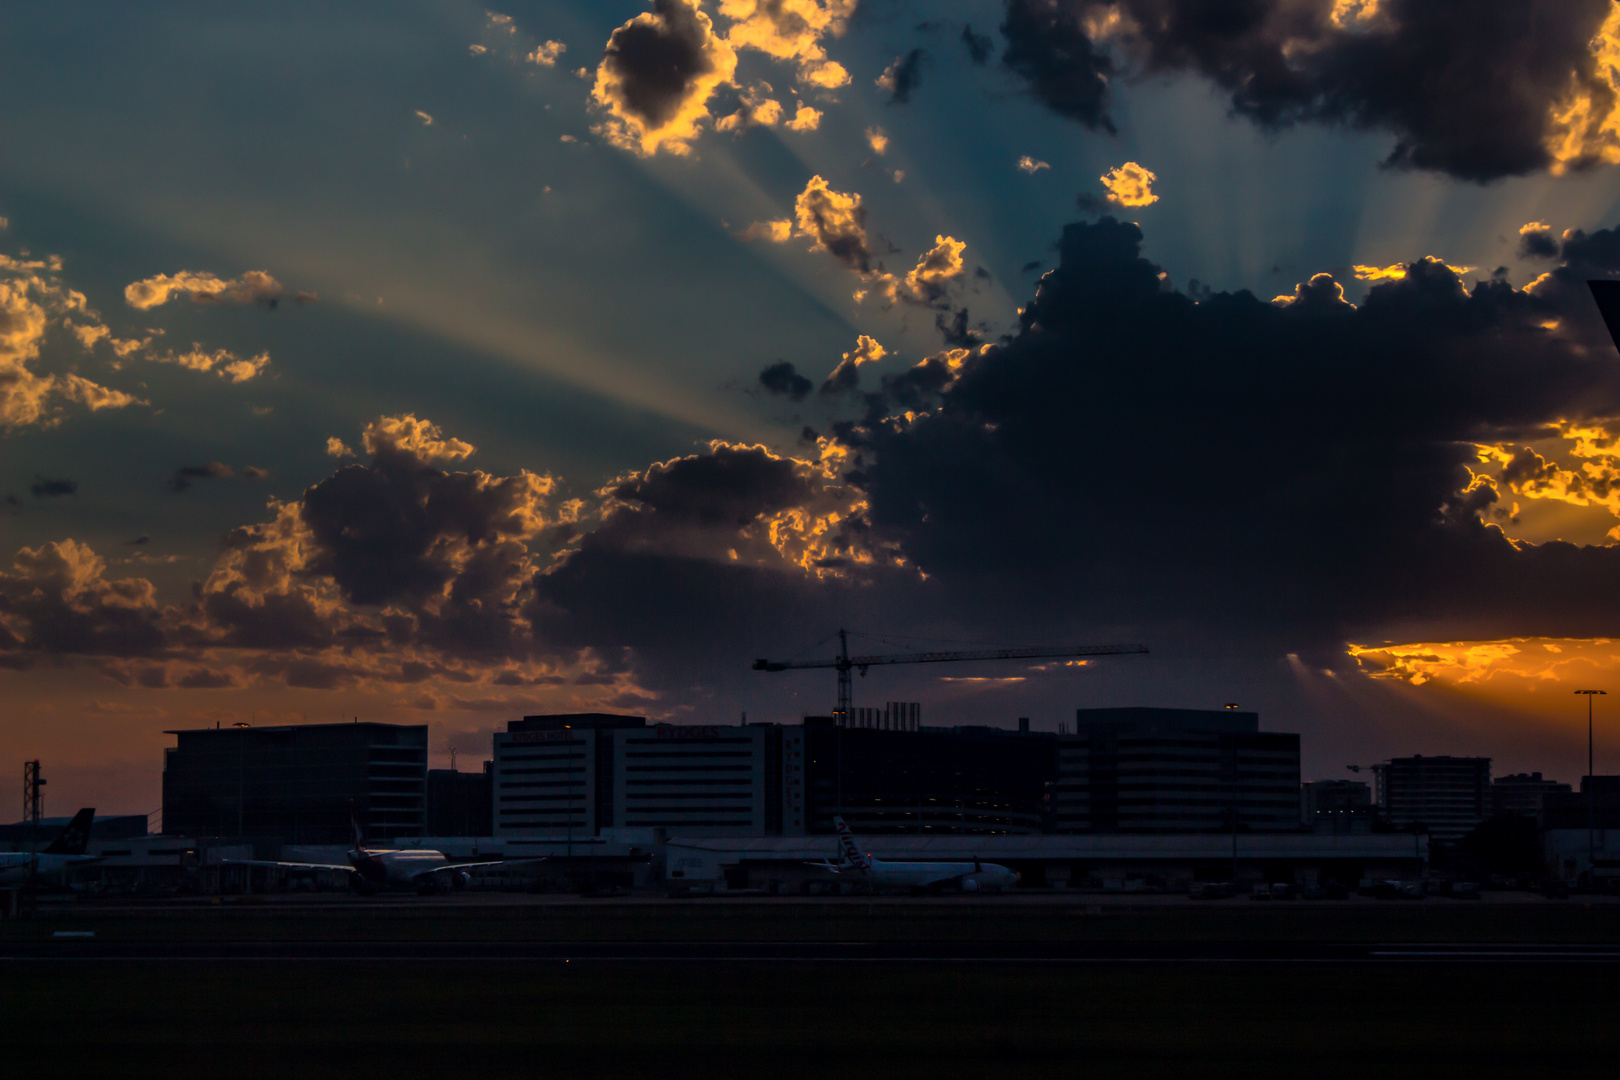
{"points": [[557, 1019]]}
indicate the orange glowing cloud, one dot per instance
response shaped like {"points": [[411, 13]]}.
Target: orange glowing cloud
{"points": [[1585, 124], [1130, 185]]}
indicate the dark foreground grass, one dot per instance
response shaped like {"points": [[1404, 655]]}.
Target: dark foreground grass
{"points": [[555, 1019]]}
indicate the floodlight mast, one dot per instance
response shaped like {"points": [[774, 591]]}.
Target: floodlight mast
{"points": [[844, 663]]}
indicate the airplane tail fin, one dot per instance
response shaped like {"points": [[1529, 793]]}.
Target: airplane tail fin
{"points": [[76, 837], [847, 849], [359, 840], [1607, 295]]}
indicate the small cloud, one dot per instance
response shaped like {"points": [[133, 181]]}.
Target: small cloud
{"points": [[335, 447], [1130, 185], [878, 140], [547, 53], [253, 287], [777, 232], [1031, 165], [222, 362], [806, 119], [846, 376], [902, 76], [185, 474], [567, 139], [476, 50], [783, 379], [427, 121], [139, 541], [45, 487]]}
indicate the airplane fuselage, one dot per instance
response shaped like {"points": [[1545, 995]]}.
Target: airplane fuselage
{"points": [[396, 867], [967, 876]]}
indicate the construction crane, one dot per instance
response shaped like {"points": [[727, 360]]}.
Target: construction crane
{"points": [[845, 663]]}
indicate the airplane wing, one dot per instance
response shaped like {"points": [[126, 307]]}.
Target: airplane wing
{"points": [[345, 867], [449, 868]]}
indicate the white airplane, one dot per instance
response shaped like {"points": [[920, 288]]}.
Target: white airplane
{"points": [[881, 875], [67, 850], [377, 869]]}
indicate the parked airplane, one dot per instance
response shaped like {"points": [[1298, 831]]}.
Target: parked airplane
{"points": [[54, 859], [883, 876], [376, 869]]}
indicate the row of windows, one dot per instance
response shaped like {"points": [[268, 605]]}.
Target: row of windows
{"points": [[688, 768], [689, 754]]}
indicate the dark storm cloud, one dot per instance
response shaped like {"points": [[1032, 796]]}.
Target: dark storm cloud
{"points": [[782, 378], [658, 60], [905, 76], [46, 487], [1048, 47], [1299, 470], [1467, 87], [729, 487]]}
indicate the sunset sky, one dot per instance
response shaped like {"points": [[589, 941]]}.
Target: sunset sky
{"points": [[430, 363]]}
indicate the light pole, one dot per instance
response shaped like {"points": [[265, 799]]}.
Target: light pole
{"points": [[1591, 791]]}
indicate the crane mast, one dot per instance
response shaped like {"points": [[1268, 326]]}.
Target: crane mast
{"points": [[844, 663]]}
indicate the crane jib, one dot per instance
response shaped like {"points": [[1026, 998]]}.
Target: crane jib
{"points": [[1030, 653]]}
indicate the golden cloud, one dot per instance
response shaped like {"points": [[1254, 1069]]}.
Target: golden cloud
{"points": [[756, 107], [657, 75], [1031, 165], [222, 362], [253, 287], [1584, 126], [547, 53], [878, 140], [939, 265], [805, 119], [405, 434], [1504, 664], [32, 299], [792, 31], [1130, 185], [1397, 271]]}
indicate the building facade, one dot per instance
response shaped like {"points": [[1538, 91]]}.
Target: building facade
{"points": [[1143, 770], [929, 781], [297, 784], [1447, 796], [1336, 805], [1523, 794], [580, 773], [460, 803]]}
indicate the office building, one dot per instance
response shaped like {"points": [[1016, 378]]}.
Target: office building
{"points": [[553, 775], [1522, 794], [297, 784], [577, 774], [1446, 796], [1175, 771], [459, 803], [1336, 805], [928, 781]]}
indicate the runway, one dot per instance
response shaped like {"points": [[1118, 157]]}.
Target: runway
{"points": [[505, 953]]}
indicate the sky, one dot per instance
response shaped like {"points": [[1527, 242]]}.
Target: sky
{"points": [[435, 363]]}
